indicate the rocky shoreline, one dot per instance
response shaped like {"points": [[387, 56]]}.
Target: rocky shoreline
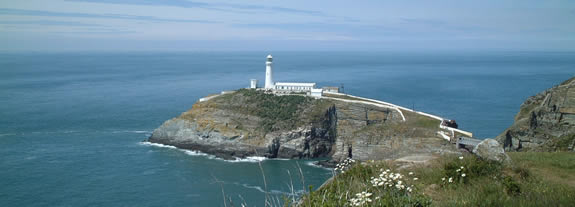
{"points": [[545, 122]]}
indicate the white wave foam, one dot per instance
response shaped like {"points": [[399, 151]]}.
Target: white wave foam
{"points": [[140, 132], [248, 159], [198, 153], [55, 132], [133, 131], [157, 145], [260, 189], [316, 165]]}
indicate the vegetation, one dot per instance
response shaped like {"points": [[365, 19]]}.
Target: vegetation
{"points": [[420, 121], [535, 179], [562, 143], [525, 112], [556, 167], [275, 109], [415, 126]]}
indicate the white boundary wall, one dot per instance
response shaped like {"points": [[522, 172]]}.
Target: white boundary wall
{"points": [[406, 109]]}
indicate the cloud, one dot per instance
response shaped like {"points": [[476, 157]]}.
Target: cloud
{"points": [[430, 22], [343, 29], [50, 23], [71, 27], [212, 6], [24, 12]]}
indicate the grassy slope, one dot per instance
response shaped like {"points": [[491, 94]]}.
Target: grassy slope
{"points": [[535, 179], [273, 112]]}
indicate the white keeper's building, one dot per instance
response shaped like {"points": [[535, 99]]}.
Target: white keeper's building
{"points": [[285, 87]]}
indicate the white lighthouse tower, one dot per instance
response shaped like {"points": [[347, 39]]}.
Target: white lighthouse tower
{"points": [[269, 73]]}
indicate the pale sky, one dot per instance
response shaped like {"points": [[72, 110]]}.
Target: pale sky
{"points": [[198, 25]]}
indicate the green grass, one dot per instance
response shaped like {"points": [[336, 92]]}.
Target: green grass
{"points": [[525, 112], [277, 112], [420, 121], [534, 179], [355, 180], [562, 143]]}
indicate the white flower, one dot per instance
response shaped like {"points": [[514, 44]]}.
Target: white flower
{"points": [[463, 175], [410, 173], [458, 170], [415, 178], [461, 167], [450, 180], [461, 157], [361, 199], [442, 179]]}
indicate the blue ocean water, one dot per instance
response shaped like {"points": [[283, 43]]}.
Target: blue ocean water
{"points": [[72, 124]]}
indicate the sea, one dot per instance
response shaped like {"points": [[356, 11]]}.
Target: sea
{"points": [[73, 125]]}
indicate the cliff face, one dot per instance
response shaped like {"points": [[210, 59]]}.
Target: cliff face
{"points": [[545, 122], [252, 123]]}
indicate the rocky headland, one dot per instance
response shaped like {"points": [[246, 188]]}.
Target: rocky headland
{"points": [[545, 122], [255, 123]]}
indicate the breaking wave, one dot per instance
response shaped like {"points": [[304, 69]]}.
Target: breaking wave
{"points": [[248, 159], [198, 153], [157, 145]]}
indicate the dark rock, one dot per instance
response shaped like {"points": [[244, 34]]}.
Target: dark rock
{"points": [[545, 122]]}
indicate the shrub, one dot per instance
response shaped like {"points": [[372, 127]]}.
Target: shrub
{"points": [[275, 110], [368, 185], [511, 186]]}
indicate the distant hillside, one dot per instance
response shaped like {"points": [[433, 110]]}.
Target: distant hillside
{"points": [[253, 123], [545, 122]]}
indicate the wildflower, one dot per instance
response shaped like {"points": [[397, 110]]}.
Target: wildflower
{"points": [[415, 179], [361, 199], [461, 167], [442, 179], [463, 175], [450, 179], [461, 157], [458, 170], [410, 173]]}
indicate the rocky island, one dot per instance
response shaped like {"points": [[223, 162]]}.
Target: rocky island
{"points": [[250, 122], [298, 120]]}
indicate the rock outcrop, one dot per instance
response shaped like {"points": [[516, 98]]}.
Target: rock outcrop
{"points": [[545, 122], [490, 149], [252, 123]]}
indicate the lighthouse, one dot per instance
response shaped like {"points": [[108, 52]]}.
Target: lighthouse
{"points": [[269, 73]]}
